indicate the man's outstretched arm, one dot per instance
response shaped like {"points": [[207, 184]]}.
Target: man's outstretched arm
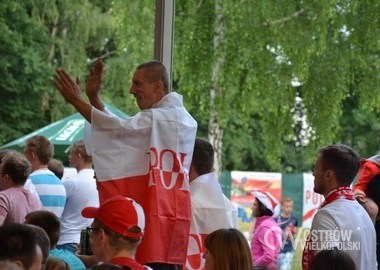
{"points": [[71, 92]]}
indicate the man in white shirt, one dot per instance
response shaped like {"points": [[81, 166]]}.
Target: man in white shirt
{"points": [[210, 208], [81, 192], [340, 222], [145, 157]]}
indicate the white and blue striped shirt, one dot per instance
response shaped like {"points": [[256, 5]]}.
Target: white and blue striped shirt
{"points": [[50, 189]]}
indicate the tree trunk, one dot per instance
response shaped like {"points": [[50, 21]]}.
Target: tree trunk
{"points": [[215, 131]]}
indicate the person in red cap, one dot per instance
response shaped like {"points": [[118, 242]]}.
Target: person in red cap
{"points": [[267, 237], [116, 231]]}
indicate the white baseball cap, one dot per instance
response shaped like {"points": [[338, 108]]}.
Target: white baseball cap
{"points": [[266, 199]]}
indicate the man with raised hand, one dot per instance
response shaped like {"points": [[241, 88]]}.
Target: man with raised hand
{"points": [[146, 157]]}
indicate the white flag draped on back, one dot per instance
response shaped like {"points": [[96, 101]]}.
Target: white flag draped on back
{"points": [[211, 210], [147, 157]]}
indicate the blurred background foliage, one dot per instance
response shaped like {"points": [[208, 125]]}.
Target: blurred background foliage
{"points": [[274, 80]]}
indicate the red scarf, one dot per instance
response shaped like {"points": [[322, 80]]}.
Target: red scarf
{"points": [[336, 194]]}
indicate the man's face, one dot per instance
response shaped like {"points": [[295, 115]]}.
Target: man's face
{"points": [[73, 159], [28, 154], [96, 241], [287, 208], [144, 91], [319, 177]]}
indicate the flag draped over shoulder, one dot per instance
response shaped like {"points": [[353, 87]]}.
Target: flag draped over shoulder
{"points": [[211, 210], [147, 157]]}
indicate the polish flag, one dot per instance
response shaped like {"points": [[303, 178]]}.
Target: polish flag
{"points": [[147, 158]]}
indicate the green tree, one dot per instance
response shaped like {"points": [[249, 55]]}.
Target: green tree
{"points": [[23, 69], [328, 47]]}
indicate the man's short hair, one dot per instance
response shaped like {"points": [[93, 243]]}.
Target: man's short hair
{"points": [[286, 199], [42, 147], [203, 156], [341, 159], [156, 71], [18, 243], [79, 147], [48, 221], [5, 152], [56, 167], [17, 167]]}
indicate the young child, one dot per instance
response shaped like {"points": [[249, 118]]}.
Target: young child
{"points": [[289, 225]]}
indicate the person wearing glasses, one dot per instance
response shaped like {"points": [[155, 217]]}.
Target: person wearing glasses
{"points": [[50, 223], [116, 231]]}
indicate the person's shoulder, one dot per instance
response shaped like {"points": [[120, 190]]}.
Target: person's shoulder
{"points": [[269, 222]]}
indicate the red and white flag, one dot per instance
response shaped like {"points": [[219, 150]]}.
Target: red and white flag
{"points": [[211, 210], [147, 158]]}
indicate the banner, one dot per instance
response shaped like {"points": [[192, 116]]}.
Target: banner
{"points": [[243, 183], [311, 200]]}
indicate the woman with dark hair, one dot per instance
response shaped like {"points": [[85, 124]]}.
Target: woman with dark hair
{"points": [[267, 237], [227, 249]]}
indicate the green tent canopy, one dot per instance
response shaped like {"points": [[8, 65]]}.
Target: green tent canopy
{"points": [[61, 133]]}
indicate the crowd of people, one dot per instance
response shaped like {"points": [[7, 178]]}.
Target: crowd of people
{"points": [[144, 196]]}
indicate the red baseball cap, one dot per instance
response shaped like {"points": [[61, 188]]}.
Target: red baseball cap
{"points": [[120, 214]]}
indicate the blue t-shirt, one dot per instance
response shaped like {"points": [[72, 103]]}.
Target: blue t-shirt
{"points": [[283, 223], [73, 261]]}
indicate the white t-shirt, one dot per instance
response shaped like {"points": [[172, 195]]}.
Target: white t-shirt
{"points": [[81, 192], [346, 225]]}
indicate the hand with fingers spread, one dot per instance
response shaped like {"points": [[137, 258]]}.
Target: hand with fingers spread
{"points": [[70, 90], [94, 80], [93, 85]]}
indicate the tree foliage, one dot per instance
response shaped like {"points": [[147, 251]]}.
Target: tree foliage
{"points": [[329, 47], [295, 75]]}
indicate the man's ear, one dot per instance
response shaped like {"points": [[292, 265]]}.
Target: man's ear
{"points": [[329, 174], [19, 264], [33, 155], [103, 237], [160, 84], [159, 87], [7, 179]]}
